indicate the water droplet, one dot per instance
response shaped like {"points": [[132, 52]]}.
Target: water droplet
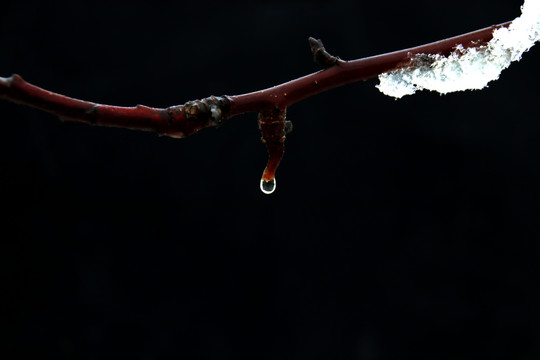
{"points": [[268, 187]]}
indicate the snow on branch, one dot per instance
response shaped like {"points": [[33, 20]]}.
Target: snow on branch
{"points": [[466, 68], [467, 61]]}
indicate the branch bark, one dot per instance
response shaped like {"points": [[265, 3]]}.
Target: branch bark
{"points": [[183, 120]]}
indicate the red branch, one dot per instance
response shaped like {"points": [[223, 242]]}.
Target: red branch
{"points": [[183, 120], [347, 72]]}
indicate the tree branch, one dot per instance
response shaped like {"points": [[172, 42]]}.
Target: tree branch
{"points": [[183, 120], [346, 72], [175, 121]]}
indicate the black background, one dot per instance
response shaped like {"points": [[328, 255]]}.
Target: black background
{"points": [[399, 229]]}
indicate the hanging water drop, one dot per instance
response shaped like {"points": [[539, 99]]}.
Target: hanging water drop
{"points": [[268, 187]]}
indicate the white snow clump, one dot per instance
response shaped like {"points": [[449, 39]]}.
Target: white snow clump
{"points": [[470, 68]]}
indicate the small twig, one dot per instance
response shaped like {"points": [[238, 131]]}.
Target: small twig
{"points": [[320, 55], [273, 129]]}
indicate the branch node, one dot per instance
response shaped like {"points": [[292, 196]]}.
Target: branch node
{"points": [[213, 109], [320, 55]]}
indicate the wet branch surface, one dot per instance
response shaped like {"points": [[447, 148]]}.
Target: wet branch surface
{"points": [[183, 120]]}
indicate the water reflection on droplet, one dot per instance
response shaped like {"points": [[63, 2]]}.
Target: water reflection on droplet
{"points": [[268, 187]]}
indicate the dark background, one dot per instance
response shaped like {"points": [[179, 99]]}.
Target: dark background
{"points": [[399, 229]]}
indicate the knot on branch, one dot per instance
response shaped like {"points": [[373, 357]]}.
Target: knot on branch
{"points": [[187, 119], [320, 55], [213, 109]]}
